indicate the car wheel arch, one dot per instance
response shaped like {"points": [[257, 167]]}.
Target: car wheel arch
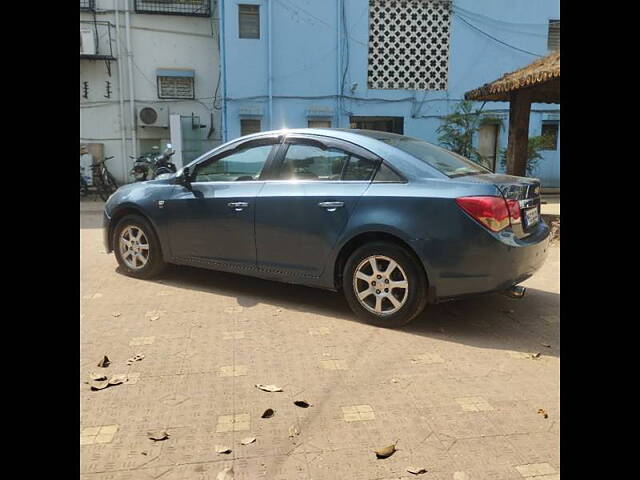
{"points": [[123, 211], [363, 238]]}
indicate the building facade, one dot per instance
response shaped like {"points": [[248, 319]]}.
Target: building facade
{"points": [[396, 65], [149, 72]]}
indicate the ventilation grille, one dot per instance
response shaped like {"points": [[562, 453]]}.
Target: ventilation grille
{"points": [[409, 44], [175, 87]]}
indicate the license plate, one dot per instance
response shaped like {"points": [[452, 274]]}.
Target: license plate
{"points": [[531, 217]]}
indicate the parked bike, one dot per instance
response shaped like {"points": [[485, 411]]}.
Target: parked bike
{"points": [[84, 188], [151, 165], [104, 182]]}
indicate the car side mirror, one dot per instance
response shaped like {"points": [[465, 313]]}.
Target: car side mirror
{"points": [[185, 177]]}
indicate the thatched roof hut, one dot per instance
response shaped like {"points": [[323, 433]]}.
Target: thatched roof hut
{"points": [[542, 77], [538, 82]]}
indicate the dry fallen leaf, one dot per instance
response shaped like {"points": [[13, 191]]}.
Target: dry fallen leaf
{"points": [[222, 449], [543, 413], [302, 404], [386, 451], [157, 435], [225, 474], [136, 358], [293, 431], [105, 362], [268, 388], [99, 384], [268, 413], [416, 470], [248, 440], [117, 379]]}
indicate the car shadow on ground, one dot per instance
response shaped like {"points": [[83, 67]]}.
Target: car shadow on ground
{"points": [[531, 324]]}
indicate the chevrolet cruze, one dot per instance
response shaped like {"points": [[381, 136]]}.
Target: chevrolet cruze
{"points": [[392, 221]]}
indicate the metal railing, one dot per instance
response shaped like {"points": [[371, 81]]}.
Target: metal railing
{"points": [[193, 8], [102, 37]]}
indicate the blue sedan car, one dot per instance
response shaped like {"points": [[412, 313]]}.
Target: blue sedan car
{"points": [[392, 221]]}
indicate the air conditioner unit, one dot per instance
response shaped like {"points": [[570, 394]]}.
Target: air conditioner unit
{"points": [[153, 115], [87, 42]]}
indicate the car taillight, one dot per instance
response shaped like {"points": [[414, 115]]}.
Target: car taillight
{"points": [[492, 212], [514, 211]]}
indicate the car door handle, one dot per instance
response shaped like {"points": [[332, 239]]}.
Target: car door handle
{"points": [[331, 206], [238, 206]]}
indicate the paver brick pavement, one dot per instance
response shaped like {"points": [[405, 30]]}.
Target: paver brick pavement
{"points": [[459, 388]]}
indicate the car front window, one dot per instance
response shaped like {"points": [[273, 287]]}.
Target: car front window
{"points": [[245, 164]]}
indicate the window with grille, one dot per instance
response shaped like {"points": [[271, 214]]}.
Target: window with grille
{"points": [[409, 44], [193, 8], [87, 5], [249, 21], [553, 39], [249, 126], [175, 87]]}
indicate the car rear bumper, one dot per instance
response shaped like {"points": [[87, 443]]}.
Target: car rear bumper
{"points": [[492, 265], [106, 222]]}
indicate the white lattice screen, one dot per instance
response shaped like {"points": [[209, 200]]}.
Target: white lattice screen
{"points": [[409, 44]]}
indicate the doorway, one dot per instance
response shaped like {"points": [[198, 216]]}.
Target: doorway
{"points": [[488, 137]]}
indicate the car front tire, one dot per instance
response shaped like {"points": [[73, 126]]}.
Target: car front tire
{"points": [[137, 248], [384, 284]]}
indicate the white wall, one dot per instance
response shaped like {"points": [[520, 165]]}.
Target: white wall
{"points": [[157, 41]]}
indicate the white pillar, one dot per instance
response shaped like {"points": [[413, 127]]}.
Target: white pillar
{"points": [[175, 129]]}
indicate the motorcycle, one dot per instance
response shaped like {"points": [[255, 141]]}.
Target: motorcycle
{"points": [[150, 165]]}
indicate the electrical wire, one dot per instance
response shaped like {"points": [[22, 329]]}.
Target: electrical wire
{"points": [[496, 39]]}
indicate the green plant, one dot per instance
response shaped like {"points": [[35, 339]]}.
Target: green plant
{"points": [[458, 128], [535, 145]]}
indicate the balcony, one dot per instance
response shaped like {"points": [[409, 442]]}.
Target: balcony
{"points": [[96, 41], [191, 8]]}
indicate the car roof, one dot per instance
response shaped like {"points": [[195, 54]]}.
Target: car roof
{"points": [[368, 139]]}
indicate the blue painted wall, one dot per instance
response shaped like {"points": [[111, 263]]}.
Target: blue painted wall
{"points": [[304, 37]]}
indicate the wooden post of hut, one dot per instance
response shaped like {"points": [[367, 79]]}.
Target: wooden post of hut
{"points": [[519, 111], [538, 82]]}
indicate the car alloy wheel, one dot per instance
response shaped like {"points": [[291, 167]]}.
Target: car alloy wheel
{"points": [[134, 247], [380, 285]]}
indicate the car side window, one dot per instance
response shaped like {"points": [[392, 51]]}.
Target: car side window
{"points": [[359, 169], [308, 162], [240, 165]]}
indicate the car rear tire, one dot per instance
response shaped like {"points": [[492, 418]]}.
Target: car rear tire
{"points": [[384, 284], [137, 248]]}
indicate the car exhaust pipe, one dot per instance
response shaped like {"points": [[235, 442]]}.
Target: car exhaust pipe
{"points": [[517, 291]]}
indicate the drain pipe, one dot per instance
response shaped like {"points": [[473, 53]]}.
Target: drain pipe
{"points": [[224, 74], [269, 50], [123, 145], [338, 58], [131, 88]]}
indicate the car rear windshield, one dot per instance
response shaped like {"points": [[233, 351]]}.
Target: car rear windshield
{"points": [[449, 163]]}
